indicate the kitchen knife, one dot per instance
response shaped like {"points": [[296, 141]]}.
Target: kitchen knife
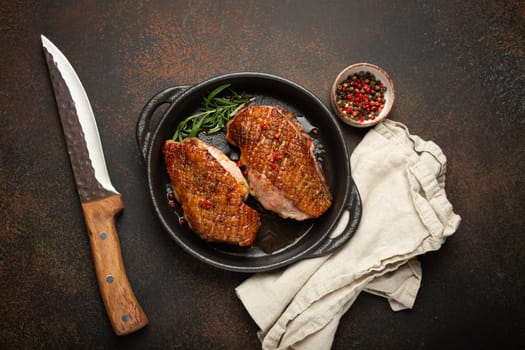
{"points": [[99, 199]]}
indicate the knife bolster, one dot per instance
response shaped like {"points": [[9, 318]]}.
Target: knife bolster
{"points": [[125, 313]]}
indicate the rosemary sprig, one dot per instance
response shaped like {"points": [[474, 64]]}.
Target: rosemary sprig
{"points": [[214, 114]]}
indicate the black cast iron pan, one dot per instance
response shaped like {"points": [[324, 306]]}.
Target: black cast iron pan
{"points": [[279, 241]]}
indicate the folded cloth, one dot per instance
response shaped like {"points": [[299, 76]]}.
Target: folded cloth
{"points": [[401, 179]]}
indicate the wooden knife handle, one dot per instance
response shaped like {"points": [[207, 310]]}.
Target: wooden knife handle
{"points": [[125, 313]]}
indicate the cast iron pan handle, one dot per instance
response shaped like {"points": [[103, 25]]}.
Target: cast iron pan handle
{"points": [[352, 205], [144, 129]]}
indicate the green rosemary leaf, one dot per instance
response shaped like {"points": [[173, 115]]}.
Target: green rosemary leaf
{"points": [[214, 93], [215, 130]]}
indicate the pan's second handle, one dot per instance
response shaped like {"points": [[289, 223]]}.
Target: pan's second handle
{"points": [[144, 129], [354, 208]]}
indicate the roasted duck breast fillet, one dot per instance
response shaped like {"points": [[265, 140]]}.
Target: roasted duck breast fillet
{"points": [[282, 171], [211, 190]]}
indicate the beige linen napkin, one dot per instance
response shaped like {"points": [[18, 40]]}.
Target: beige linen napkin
{"points": [[401, 179]]}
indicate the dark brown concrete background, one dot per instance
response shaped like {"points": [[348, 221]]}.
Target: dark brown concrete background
{"points": [[458, 69]]}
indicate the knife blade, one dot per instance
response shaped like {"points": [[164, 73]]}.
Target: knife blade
{"points": [[100, 201]]}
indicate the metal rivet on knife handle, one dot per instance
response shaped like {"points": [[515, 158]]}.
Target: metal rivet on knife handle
{"points": [[103, 235]]}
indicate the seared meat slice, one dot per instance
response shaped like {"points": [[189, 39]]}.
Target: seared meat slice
{"points": [[211, 190], [283, 173]]}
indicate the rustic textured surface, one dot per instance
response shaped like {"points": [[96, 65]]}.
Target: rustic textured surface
{"points": [[458, 70]]}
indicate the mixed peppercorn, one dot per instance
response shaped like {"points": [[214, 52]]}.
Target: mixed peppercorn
{"points": [[361, 96]]}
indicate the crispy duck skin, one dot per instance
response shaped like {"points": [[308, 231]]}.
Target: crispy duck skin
{"points": [[282, 171], [211, 191]]}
